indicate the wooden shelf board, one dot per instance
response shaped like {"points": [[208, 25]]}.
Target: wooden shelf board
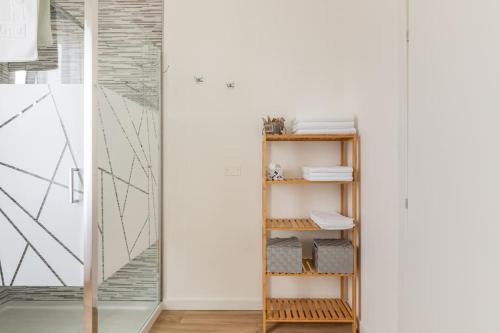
{"points": [[291, 224], [300, 224], [309, 137], [308, 269], [289, 181], [302, 310]]}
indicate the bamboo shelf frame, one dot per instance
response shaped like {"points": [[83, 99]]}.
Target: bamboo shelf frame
{"points": [[291, 224], [308, 269], [303, 310], [290, 310], [309, 137], [302, 224]]}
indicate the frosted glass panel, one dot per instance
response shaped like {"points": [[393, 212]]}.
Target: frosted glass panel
{"points": [[129, 133], [41, 140], [40, 230]]}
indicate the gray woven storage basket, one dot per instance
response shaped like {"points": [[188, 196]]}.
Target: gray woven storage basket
{"points": [[332, 255], [284, 255]]}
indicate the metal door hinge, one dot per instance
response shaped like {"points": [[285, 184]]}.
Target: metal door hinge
{"points": [[407, 35], [406, 203]]}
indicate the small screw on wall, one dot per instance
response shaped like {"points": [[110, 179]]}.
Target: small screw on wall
{"points": [[230, 85], [199, 79]]}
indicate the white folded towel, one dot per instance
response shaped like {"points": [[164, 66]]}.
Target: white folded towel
{"points": [[326, 131], [322, 125], [347, 178], [299, 119], [18, 30], [331, 220], [332, 169], [328, 174]]}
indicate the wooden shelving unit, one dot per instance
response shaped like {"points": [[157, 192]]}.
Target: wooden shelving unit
{"points": [[322, 310]]}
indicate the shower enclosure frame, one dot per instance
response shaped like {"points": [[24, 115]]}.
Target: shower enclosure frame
{"points": [[90, 215]]}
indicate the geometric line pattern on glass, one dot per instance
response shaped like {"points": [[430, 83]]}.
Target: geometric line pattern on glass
{"points": [[24, 110], [115, 108], [124, 132], [122, 180], [35, 218], [65, 134], [35, 175], [139, 235], [136, 130], [1, 274], [19, 264], [128, 186], [51, 181], [31, 246], [113, 180], [42, 226]]}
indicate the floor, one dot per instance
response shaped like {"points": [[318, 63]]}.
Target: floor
{"points": [[67, 317], [232, 322]]}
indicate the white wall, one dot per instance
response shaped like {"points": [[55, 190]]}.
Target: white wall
{"points": [[374, 88], [286, 57]]}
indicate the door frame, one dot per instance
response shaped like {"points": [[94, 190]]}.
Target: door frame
{"points": [[90, 320]]}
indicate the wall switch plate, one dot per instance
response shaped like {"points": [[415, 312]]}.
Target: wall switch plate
{"points": [[232, 170]]}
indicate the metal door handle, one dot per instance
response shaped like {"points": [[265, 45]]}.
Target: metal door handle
{"points": [[72, 185]]}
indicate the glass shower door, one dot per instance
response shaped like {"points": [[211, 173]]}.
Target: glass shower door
{"points": [[41, 156], [44, 230], [129, 41]]}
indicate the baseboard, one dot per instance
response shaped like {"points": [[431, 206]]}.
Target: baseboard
{"points": [[212, 304]]}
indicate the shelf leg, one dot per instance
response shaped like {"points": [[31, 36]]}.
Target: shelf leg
{"points": [[343, 210], [264, 234], [355, 235]]}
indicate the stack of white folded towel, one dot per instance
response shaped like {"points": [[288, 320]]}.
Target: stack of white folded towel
{"points": [[331, 220], [323, 125], [335, 173]]}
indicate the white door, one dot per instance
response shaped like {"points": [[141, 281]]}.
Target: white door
{"points": [[451, 248]]}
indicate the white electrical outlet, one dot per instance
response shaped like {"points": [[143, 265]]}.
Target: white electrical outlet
{"points": [[232, 170]]}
